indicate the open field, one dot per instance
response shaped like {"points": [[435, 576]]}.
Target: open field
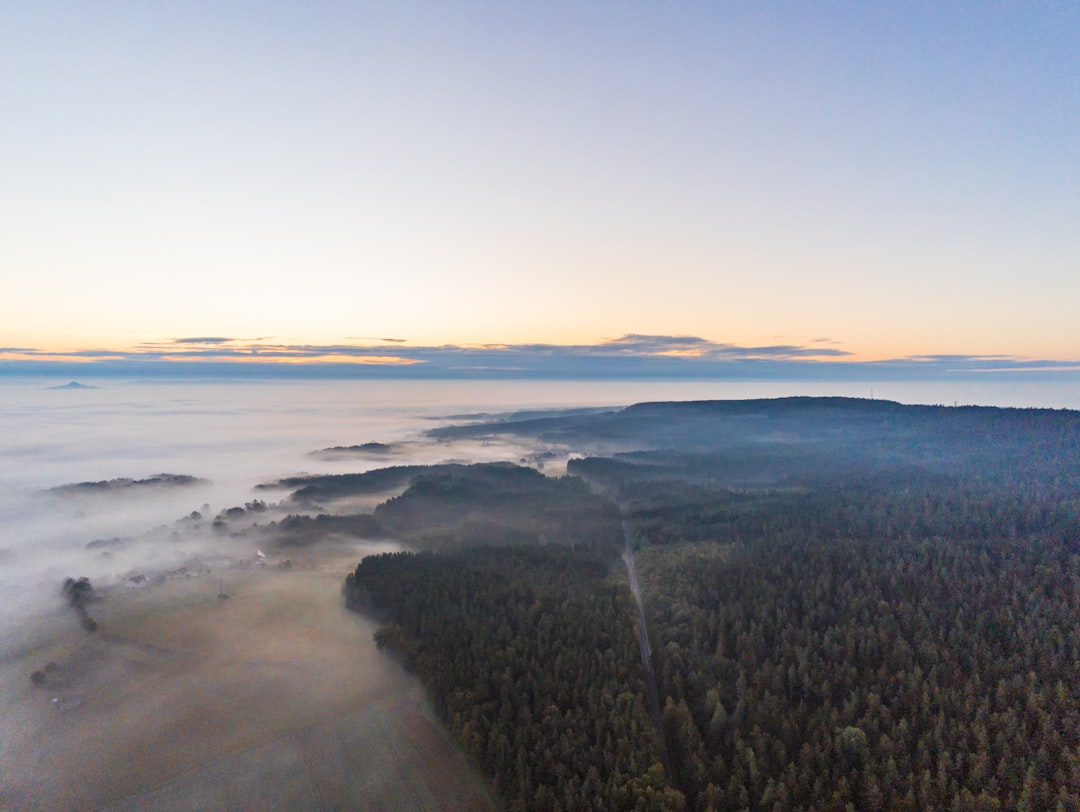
{"points": [[275, 698]]}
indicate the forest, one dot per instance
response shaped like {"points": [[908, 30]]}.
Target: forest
{"points": [[531, 658], [852, 605]]}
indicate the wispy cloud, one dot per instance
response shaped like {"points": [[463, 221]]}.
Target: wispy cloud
{"points": [[627, 357], [650, 346], [993, 363], [203, 340]]}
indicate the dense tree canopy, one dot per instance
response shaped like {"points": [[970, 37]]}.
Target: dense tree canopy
{"points": [[853, 605], [935, 674], [531, 658]]}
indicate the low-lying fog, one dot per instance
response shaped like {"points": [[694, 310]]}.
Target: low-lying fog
{"points": [[219, 673], [227, 437]]}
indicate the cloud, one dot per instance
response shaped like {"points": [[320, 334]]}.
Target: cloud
{"points": [[203, 340], [651, 346], [959, 359], [994, 363], [15, 354], [658, 345], [627, 357], [695, 347]]}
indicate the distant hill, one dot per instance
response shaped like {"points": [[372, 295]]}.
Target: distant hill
{"points": [[125, 483], [361, 450], [73, 385]]}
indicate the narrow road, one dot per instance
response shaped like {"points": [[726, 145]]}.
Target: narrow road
{"points": [[652, 696], [631, 571]]}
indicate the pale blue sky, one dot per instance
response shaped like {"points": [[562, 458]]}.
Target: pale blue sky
{"points": [[884, 179]]}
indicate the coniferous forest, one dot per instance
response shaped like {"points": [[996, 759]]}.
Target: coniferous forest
{"points": [[851, 605], [531, 659]]}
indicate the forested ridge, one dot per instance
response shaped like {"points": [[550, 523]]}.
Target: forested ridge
{"points": [[500, 504], [454, 505], [852, 605], [884, 506]]}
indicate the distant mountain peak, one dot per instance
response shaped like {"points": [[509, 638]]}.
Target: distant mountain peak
{"points": [[73, 385]]}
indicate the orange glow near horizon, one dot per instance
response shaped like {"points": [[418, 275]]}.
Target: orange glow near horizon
{"points": [[57, 357], [254, 357]]}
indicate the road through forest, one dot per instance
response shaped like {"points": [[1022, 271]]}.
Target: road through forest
{"points": [[652, 696]]}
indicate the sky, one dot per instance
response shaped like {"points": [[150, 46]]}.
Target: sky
{"points": [[586, 187]]}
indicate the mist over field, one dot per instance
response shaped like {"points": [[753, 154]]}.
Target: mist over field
{"points": [[200, 662]]}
